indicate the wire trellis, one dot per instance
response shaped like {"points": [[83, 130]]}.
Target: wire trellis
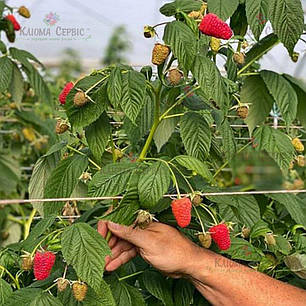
{"points": [[204, 194]]}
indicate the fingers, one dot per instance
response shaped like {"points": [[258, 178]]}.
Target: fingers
{"points": [[102, 228], [121, 247], [135, 236], [121, 260]]}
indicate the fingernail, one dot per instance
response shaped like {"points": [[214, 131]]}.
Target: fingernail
{"points": [[114, 226]]}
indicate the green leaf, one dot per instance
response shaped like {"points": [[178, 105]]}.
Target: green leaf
{"points": [[85, 249], [158, 286], [245, 208], [46, 299], [111, 180], [255, 92], [283, 94], [297, 264], [16, 87], [209, 78], [223, 9], [40, 175], [239, 23], [153, 184], [242, 250], [23, 57], [287, 20], [228, 139], [260, 228], [193, 164], [293, 204], [300, 89], [97, 136], [276, 144], [5, 291], [182, 41], [186, 6], [133, 93], [90, 112], [6, 71], [24, 296], [63, 180], [256, 11], [182, 292], [196, 135], [114, 87], [10, 173], [125, 294], [3, 48]]}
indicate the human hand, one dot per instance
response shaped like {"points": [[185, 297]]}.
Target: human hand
{"points": [[160, 245]]}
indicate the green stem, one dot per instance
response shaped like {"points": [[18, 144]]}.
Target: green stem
{"points": [[181, 173], [81, 153], [53, 285], [173, 116], [226, 163], [249, 73], [108, 236], [28, 224], [201, 223], [14, 219], [129, 276], [11, 276], [113, 148], [210, 213], [155, 125], [94, 85]]}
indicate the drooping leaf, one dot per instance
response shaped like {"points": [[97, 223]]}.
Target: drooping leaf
{"points": [[209, 78], [228, 139], [196, 135], [186, 6], [23, 57], [24, 296], [6, 71], [239, 23], [10, 170], [63, 180], [283, 94], [276, 144], [297, 264], [133, 93], [182, 292], [153, 184], [91, 111], [85, 249], [111, 180], [293, 204], [125, 294], [182, 42], [223, 9], [5, 291], [255, 92], [287, 20], [193, 164], [16, 87], [257, 15], [97, 136], [114, 87]]}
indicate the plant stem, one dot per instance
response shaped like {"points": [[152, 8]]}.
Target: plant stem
{"points": [[53, 285], [113, 148], [226, 163], [81, 153], [11, 276], [28, 223], [108, 236], [155, 124], [14, 219], [94, 85], [129, 276], [210, 213], [173, 116], [181, 173], [200, 220]]}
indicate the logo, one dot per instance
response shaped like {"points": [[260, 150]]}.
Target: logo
{"points": [[51, 19]]}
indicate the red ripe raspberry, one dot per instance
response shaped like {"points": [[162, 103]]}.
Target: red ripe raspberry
{"points": [[212, 25], [181, 209], [63, 95], [43, 263], [13, 20], [221, 236]]}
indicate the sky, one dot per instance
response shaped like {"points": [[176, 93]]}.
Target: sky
{"points": [[46, 34]]}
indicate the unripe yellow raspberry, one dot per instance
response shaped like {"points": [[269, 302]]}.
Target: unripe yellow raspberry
{"points": [[24, 12], [160, 54], [215, 44], [299, 147]]}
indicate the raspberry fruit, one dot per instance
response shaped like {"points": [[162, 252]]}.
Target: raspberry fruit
{"points": [[144, 219], [205, 240], [27, 262], [212, 25], [43, 263], [270, 240], [299, 147], [29, 134], [245, 232], [175, 76], [298, 184], [181, 209], [242, 112], [195, 15], [160, 54], [80, 99], [239, 58], [221, 236], [79, 290], [62, 284], [149, 32], [301, 160], [13, 20], [61, 126], [24, 12], [63, 95], [215, 44], [197, 200]]}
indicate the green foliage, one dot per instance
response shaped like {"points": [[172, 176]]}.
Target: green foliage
{"points": [[223, 9]]}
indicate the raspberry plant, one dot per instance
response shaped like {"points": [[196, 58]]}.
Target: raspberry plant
{"points": [[135, 136]]}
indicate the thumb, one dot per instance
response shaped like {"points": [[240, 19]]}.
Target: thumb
{"points": [[128, 233]]}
